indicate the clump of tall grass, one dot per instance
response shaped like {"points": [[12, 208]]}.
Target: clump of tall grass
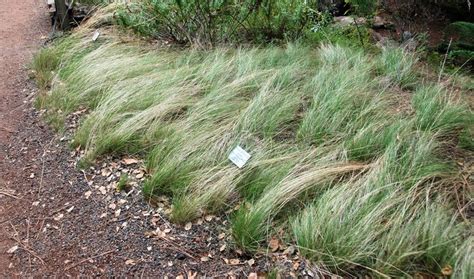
{"points": [[438, 111], [389, 220], [357, 180], [397, 64], [45, 62]]}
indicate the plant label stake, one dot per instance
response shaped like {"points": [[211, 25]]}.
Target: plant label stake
{"points": [[95, 36], [239, 156]]}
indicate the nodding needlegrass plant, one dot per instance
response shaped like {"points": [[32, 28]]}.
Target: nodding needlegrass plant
{"points": [[439, 112], [397, 65], [45, 62], [389, 220], [355, 178]]}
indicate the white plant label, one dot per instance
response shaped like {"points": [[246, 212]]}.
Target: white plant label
{"points": [[96, 35], [239, 156]]}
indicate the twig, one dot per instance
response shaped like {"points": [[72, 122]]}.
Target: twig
{"points": [[7, 129], [88, 259], [64, 207], [9, 195], [42, 167], [444, 60], [177, 248], [23, 246]]}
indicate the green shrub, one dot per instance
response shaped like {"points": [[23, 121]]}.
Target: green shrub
{"points": [[205, 23], [363, 7], [347, 36]]}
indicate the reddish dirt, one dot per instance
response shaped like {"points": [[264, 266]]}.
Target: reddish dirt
{"points": [[22, 24], [58, 221]]}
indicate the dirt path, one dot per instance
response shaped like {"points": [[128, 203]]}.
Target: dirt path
{"points": [[22, 25]]}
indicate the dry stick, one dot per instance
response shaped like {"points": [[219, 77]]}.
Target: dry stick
{"points": [[9, 195], [18, 241], [42, 168], [444, 61], [65, 206], [7, 129], [177, 248], [88, 259]]}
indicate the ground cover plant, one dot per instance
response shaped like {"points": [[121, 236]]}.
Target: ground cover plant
{"points": [[360, 186], [207, 23]]}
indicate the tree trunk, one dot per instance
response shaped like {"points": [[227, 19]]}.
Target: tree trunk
{"points": [[63, 19]]}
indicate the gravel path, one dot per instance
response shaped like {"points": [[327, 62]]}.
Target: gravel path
{"points": [[22, 25]]}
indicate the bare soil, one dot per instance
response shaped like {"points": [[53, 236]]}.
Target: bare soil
{"points": [[56, 220], [22, 24]]}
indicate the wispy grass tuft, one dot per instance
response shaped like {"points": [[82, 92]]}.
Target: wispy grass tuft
{"points": [[438, 111], [397, 65], [45, 62]]}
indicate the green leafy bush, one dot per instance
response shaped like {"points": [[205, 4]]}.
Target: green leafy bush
{"points": [[206, 22]]}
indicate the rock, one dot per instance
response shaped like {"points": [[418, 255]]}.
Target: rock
{"points": [[407, 35], [381, 23], [347, 20], [383, 41]]}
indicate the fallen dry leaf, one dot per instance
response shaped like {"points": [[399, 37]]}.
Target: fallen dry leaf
{"points": [[130, 262], [180, 277], [274, 244], [204, 259], [102, 190], [296, 265], [58, 217], [447, 270], [209, 218], [105, 172], [221, 236], [222, 248], [252, 275], [88, 194], [129, 161], [234, 261], [13, 249], [251, 262], [188, 226]]}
